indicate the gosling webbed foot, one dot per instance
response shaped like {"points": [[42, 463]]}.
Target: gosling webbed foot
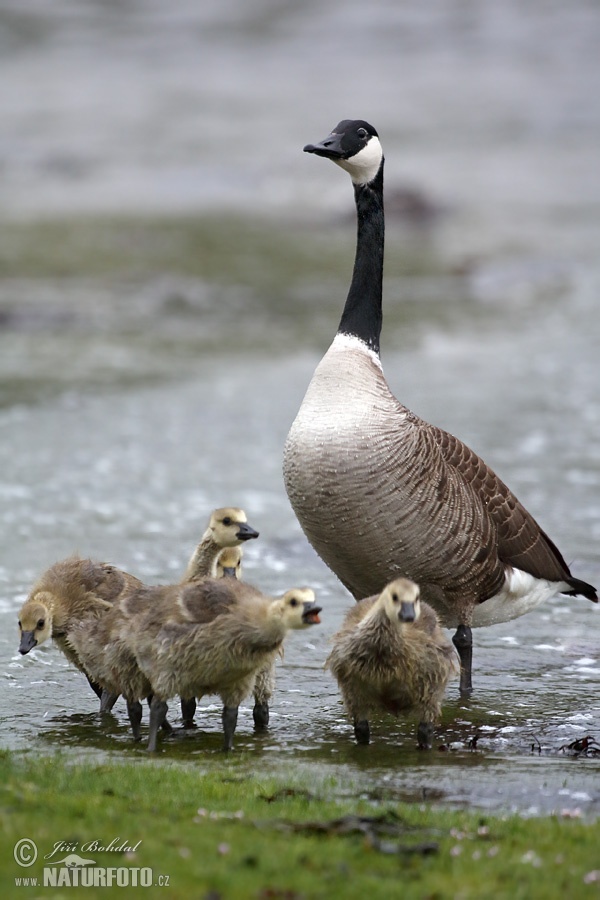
{"points": [[362, 732], [188, 711], [463, 641], [425, 733], [230, 716], [134, 710], [260, 714], [158, 712]]}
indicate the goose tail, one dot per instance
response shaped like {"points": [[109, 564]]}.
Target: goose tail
{"points": [[582, 588]]}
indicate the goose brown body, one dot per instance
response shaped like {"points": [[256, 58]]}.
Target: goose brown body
{"points": [[384, 662], [379, 492]]}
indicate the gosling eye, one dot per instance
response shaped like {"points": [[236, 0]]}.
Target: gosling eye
{"points": [[362, 132], [293, 602], [395, 598], [40, 624], [20, 626], [227, 520]]}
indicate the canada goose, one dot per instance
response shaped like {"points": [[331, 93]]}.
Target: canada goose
{"points": [[356, 457], [227, 527], [72, 590], [211, 637], [392, 655]]}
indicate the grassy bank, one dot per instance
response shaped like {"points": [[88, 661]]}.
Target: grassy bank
{"points": [[225, 833]]}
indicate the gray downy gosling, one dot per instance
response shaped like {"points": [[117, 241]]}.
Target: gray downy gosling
{"points": [[71, 591], [213, 637], [391, 655], [227, 527]]}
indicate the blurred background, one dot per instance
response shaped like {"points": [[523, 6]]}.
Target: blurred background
{"points": [[172, 267]]}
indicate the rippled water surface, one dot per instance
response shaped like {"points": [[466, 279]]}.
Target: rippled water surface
{"points": [[134, 399]]}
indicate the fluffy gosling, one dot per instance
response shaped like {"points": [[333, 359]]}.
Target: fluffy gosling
{"points": [[392, 655], [213, 637]]}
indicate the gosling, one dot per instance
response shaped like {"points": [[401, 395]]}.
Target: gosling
{"points": [[227, 527], [102, 647], [392, 655], [212, 637], [71, 591], [229, 564]]}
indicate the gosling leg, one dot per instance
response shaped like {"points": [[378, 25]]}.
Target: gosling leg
{"points": [[158, 712], [463, 641], [95, 687], [134, 708], [107, 701], [425, 735], [362, 732], [230, 716], [165, 724], [260, 714], [188, 711]]}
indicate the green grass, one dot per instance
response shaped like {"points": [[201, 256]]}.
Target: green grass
{"points": [[229, 832]]}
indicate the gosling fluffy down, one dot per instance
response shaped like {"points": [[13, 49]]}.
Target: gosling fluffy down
{"points": [[210, 637], [391, 655], [71, 591]]}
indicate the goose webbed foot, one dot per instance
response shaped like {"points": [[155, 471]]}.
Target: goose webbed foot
{"points": [[230, 715], [134, 709], [158, 713], [188, 711], [425, 735], [260, 714], [362, 732], [463, 641]]}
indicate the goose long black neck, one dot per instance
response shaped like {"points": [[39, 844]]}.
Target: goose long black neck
{"points": [[362, 316]]}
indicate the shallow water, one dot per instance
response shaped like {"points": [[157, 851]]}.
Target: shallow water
{"points": [[131, 406]]}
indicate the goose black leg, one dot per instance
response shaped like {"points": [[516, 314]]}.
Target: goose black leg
{"points": [[230, 715], [158, 712], [425, 735], [134, 708], [188, 711], [362, 732], [463, 641], [260, 714]]}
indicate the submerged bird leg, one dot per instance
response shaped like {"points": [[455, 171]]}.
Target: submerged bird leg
{"points": [[188, 711], [425, 735], [362, 732], [260, 714], [230, 715], [134, 708], [107, 700], [463, 641], [158, 712]]}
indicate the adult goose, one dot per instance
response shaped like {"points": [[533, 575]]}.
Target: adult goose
{"points": [[379, 492]]}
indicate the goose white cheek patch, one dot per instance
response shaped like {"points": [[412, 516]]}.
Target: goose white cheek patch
{"points": [[364, 165]]}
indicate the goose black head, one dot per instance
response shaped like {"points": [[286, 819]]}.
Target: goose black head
{"points": [[354, 145]]}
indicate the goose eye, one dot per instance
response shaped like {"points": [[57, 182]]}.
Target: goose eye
{"points": [[362, 132], [227, 520], [40, 623]]}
